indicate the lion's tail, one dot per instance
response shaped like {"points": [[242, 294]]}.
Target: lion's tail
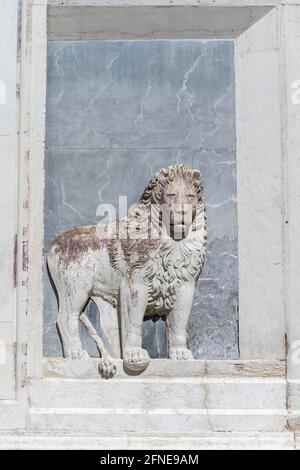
{"points": [[99, 343], [107, 365]]}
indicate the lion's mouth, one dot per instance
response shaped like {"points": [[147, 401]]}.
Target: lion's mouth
{"points": [[180, 223], [179, 230]]}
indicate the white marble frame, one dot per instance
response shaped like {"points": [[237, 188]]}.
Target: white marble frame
{"points": [[259, 167], [262, 328], [267, 305], [9, 110]]}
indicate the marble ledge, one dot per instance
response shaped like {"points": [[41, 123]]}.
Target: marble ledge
{"points": [[210, 440], [164, 368], [170, 3]]}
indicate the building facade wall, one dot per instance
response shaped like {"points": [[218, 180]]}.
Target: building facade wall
{"points": [[267, 97]]}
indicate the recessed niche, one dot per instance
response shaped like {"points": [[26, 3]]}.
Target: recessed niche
{"points": [[117, 111]]}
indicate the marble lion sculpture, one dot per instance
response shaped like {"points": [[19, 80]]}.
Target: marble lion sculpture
{"points": [[146, 263]]}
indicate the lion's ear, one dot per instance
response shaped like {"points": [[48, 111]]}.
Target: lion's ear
{"points": [[197, 175]]}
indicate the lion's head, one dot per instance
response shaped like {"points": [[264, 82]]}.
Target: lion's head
{"points": [[178, 192]]}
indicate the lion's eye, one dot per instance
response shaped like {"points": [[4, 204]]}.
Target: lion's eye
{"points": [[171, 194], [191, 195]]}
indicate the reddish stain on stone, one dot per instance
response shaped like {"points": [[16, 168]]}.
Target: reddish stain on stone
{"points": [[137, 252], [25, 233], [72, 244], [25, 256]]}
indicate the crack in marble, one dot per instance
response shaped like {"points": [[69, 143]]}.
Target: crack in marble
{"points": [[104, 175], [65, 203], [140, 116], [184, 91], [222, 203], [110, 82]]}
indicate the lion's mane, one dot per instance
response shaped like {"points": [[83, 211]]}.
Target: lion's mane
{"points": [[168, 263]]}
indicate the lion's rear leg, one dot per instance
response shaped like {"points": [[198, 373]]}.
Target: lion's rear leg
{"points": [[109, 325], [68, 326], [73, 279]]}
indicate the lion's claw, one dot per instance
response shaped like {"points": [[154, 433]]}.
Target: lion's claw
{"points": [[76, 353], [181, 354], [136, 359]]}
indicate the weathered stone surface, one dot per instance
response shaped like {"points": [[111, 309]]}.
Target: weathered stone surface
{"points": [[260, 176], [204, 441], [113, 117], [174, 21], [199, 404], [246, 369], [64, 368], [9, 109], [258, 332]]}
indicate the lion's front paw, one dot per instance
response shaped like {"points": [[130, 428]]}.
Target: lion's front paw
{"points": [[76, 353], [107, 368], [136, 359], [180, 354]]}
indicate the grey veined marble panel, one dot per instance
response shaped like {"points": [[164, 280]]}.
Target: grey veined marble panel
{"points": [[116, 112]]}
